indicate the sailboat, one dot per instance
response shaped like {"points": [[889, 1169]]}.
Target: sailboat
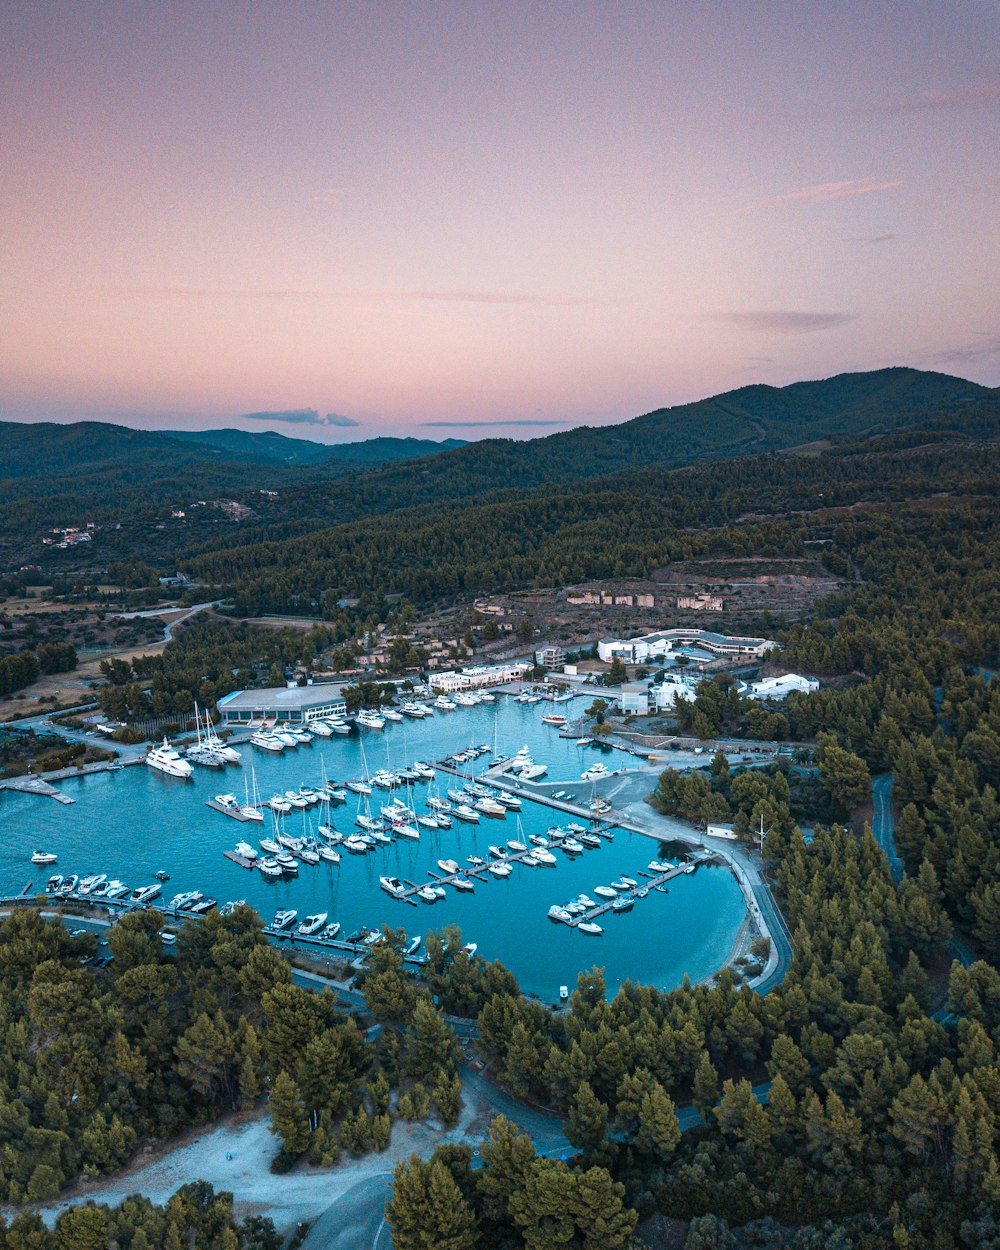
{"points": [[251, 810]]}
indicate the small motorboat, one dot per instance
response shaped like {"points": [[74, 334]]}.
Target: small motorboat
{"points": [[312, 924], [331, 931], [591, 929], [571, 846], [448, 866], [623, 904], [543, 857], [462, 884], [392, 885], [427, 894], [499, 868], [605, 891], [44, 857], [53, 883], [560, 913], [411, 947]]}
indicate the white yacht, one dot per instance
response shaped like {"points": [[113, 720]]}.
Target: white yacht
{"points": [[266, 741], [246, 850], [312, 924], [166, 760], [595, 772], [444, 705], [43, 857], [321, 728], [368, 719], [390, 713], [392, 885]]}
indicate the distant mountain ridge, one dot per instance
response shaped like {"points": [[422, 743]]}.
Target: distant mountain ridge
{"points": [[270, 447]]}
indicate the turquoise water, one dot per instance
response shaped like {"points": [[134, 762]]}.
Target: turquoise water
{"points": [[134, 822]]}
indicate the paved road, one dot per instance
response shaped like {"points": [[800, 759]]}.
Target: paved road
{"points": [[628, 793], [356, 1221], [883, 822]]}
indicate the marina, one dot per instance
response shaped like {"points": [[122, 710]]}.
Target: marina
{"points": [[134, 822]]}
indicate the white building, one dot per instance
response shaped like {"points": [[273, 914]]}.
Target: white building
{"points": [[667, 641], [291, 703], [781, 687], [634, 698], [674, 685], [480, 675]]}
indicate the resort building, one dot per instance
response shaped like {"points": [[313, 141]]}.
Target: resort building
{"points": [[781, 687], [480, 675], [668, 641], [292, 703], [673, 686]]}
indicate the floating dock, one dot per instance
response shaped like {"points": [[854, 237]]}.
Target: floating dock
{"points": [[235, 812], [652, 881], [237, 858]]}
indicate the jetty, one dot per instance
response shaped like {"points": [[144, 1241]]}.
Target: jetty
{"points": [[651, 881], [237, 858], [227, 810], [35, 785]]}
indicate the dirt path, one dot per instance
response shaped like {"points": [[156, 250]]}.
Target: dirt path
{"points": [[301, 1195]]}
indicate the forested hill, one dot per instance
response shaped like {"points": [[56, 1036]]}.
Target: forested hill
{"points": [[746, 421], [624, 525], [269, 447]]}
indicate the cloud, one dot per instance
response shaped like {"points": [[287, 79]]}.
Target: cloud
{"points": [[781, 321], [300, 416], [466, 424], [824, 192], [457, 297], [983, 94], [870, 238], [985, 346], [764, 360], [329, 195]]}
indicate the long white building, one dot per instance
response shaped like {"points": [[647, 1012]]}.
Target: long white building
{"points": [[479, 675], [667, 641]]}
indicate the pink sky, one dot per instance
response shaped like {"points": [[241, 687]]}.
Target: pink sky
{"points": [[487, 216]]}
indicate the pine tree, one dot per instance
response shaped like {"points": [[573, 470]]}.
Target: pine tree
{"points": [[288, 1115], [705, 1091], [447, 1095], [507, 1154], [659, 1131], [588, 1119], [427, 1210]]}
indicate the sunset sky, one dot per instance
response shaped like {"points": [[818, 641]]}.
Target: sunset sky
{"points": [[465, 219]]}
